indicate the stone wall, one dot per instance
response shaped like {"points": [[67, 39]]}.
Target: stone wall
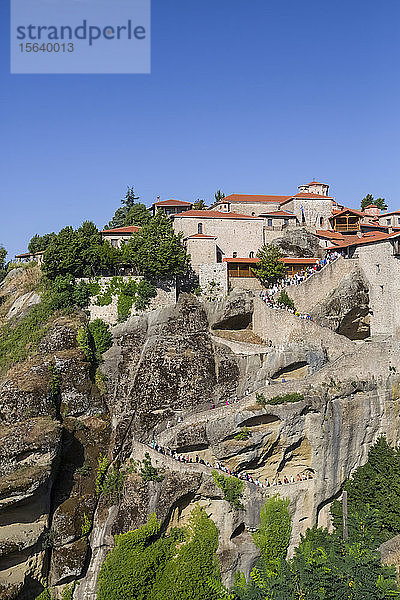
{"points": [[316, 289], [233, 235], [245, 283], [281, 327], [213, 280], [382, 270], [166, 296]]}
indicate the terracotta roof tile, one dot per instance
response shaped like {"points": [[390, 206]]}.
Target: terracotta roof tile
{"points": [[213, 214], [311, 195], [253, 198], [122, 230], [172, 203]]}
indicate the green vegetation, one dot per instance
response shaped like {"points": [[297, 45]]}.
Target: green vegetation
{"points": [[286, 300], [21, 339], [94, 339], [243, 435], [199, 205], [86, 525], [103, 463], [373, 497], [148, 472], [369, 199], [146, 565], [286, 398], [273, 536], [130, 213], [232, 488], [40, 242], [156, 250], [79, 253], [261, 399], [3, 268], [270, 268]]}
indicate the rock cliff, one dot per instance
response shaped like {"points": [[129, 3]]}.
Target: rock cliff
{"points": [[159, 380]]}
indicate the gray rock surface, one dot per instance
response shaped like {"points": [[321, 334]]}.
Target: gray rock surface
{"points": [[299, 242]]}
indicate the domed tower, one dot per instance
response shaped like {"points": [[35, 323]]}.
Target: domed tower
{"points": [[315, 187]]}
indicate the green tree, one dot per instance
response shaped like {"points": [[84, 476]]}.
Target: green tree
{"points": [[145, 565], [199, 205], [219, 196], [3, 270], [285, 299], [375, 487], [121, 214], [156, 250], [369, 199], [138, 214], [38, 243], [273, 536], [80, 253], [270, 268]]}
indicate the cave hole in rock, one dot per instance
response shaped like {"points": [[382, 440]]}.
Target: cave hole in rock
{"points": [[259, 420], [193, 448], [238, 531], [355, 324], [176, 510], [235, 323], [296, 370]]}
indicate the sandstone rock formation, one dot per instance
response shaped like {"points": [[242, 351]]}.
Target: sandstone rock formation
{"points": [[299, 242], [159, 379]]}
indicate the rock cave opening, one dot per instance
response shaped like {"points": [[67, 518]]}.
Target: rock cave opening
{"points": [[355, 324], [259, 420], [296, 370], [235, 322]]}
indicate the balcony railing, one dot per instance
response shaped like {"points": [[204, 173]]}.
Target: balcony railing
{"points": [[346, 227]]}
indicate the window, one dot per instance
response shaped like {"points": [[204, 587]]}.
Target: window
{"points": [[200, 228], [286, 221], [321, 221], [269, 222], [114, 243], [398, 220], [388, 221], [234, 255], [251, 255]]}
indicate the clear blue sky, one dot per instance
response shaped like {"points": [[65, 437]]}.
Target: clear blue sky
{"points": [[250, 96]]}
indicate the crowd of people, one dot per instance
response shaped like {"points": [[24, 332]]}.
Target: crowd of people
{"points": [[280, 480]]}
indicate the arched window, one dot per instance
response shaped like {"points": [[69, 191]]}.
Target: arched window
{"points": [[200, 228], [234, 255], [251, 255]]}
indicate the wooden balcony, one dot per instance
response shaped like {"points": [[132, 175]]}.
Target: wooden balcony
{"points": [[347, 226]]}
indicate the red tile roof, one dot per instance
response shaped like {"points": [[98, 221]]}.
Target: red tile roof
{"points": [[254, 198], [359, 213], [26, 254], [241, 260], [366, 238], [316, 182], [394, 212], [172, 203], [280, 213], [202, 236], [213, 214], [311, 195], [290, 260], [326, 233], [122, 230]]}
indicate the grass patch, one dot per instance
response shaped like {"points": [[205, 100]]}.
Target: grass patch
{"points": [[286, 398]]}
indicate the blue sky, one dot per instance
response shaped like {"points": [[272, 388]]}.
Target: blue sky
{"points": [[250, 96]]}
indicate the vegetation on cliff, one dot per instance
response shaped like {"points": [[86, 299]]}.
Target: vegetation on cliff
{"points": [[148, 565], [324, 566], [269, 269]]}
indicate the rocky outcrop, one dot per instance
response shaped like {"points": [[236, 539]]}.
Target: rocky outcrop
{"points": [[161, 376], [299, 242], [346, 309]]}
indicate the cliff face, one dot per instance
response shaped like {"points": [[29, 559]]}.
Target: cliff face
{"points": [[163, 373]]}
